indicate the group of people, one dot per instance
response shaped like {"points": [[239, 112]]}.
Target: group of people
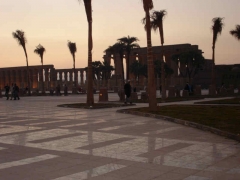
{"points": [[14, 90]]}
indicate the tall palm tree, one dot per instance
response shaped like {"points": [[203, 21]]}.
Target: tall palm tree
{"points": [[129, 44], [217, 30], [147, 6], [40, 50], [19, 35], [236, 32], [88, 9], [157, 24], [73, 49]]}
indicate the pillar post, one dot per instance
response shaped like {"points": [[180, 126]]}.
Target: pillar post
{"points": [[65, 77], [81, 76]]}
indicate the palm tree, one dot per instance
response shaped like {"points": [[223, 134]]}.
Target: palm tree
{"points": [[236, 32], [129, 44], [19, 35], [147, 6], [88, 9], [157, 24], [217, 30], [117, 48], [73, 49], [40, 50]]}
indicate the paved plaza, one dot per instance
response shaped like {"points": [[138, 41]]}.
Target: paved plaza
{"points": [[40, 141]]}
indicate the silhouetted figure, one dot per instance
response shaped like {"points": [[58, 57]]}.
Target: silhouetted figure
{"points": [[26, 89], [187, 87], [65, 90], [16, 92], [12, 91], [127, 91], [58, 90], [7, 88]]}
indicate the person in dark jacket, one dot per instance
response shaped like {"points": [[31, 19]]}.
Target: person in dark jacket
{"points": [[127, 91], [16, 92], [7, 88]]}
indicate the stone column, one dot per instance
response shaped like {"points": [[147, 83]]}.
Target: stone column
{"points": [[60, 76], [81, 76], [12, 76], [46, 75], [22, 79], [118, 65], [35, 79], [65, 77], [76, 80], [17, 78], [71, 77], [131, 60], [53, 77], [1, 81], [40, 75]]}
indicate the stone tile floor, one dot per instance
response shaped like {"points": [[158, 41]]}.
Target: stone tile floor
{"points": [[39, 141]]}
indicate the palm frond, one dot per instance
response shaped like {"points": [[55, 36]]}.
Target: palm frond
{"points": [[236, 32], [19, 35], [72, 47], [217, 27]]}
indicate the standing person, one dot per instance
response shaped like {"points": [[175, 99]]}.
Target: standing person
{"points": [[26, 89], [7, 88], [127, 91], [65, 90], [12, 91], [16, 92], [187, 87], [58, 90]]}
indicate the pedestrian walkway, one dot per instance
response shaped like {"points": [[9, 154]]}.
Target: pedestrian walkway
{"points": [[40, 141]]}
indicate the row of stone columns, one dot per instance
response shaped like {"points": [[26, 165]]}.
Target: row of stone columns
{"points": [[62, 76]]}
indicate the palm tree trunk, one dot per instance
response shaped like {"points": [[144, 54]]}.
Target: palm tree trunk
{"points": [[28, 79], [151, 77], [90, 98], [74, 71], [163, 79], [127, 65], [43, 90], [122, 72], [213, 66]]}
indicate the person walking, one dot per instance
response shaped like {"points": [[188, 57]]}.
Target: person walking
{"points": [[7, 88], [16, 92], [127, 91]]}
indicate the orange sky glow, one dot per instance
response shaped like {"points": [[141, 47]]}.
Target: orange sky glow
{"points": [[53, 22]]}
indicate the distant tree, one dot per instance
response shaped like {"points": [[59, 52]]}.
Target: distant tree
{"points": [[129, 44], [73, 49], [117, 48], [101, 70], [40, 50], [106, 71], [189, 63], [96, 65], [19, 35], [147, 6], [236, 32], [168, 71], [217, 30], [135, 68]]}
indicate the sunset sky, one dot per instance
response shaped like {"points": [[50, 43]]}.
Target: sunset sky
{"points": [[53, 22]]}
